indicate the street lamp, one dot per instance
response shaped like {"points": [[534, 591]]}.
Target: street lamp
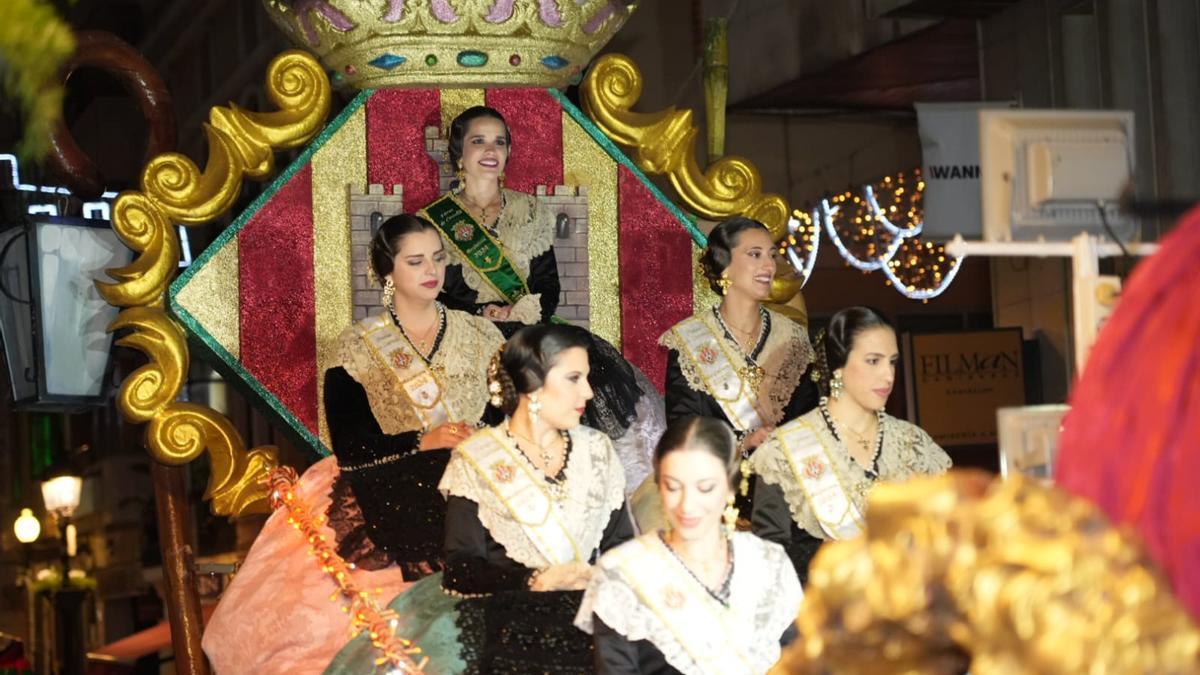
{"points": [[27, 527], [54, 322], [62, 495]]}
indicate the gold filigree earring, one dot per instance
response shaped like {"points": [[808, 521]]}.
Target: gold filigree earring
{"points": [[724, 283], [729, 516], [460, 175], [836, 385], [535, 406], [389, 293], [501, 179]]}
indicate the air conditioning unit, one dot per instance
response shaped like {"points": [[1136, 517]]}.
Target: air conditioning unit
{"points": [[1053, 174]]}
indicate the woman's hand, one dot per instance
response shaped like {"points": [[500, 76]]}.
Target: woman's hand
{"points": [[755, 438], [446, 435], [497, 312], [572, 576]]}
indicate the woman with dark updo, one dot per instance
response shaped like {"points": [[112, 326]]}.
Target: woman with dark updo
{"points": [[738, 361], [531, 503], [411, 382], [503, 268], [814, 472]]}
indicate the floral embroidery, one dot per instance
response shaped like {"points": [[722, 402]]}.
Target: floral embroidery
{"points": [[708, 355], [503, 472], [463, 232], [401, 359], [814, 467], [673, 598]]}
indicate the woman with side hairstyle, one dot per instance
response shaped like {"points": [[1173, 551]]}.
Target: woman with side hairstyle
{"points": [[503, 268], [814, 472], [697, 598], [737, 361], [531, 503], [411, 382]]}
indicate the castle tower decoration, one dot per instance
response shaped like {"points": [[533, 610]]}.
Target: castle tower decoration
{"points": [[270, 296]]}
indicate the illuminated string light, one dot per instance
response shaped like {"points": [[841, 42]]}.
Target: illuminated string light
{"points": [[802, 242], [877, 230]]}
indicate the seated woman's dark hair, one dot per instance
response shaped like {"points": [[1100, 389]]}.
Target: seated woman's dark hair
{"points": [[458, 129], [385, 243], [709, 434], [837, 341], [529, 354], [721, 242]]}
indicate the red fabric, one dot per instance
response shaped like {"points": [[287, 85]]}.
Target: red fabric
{"points": [[149, 641], [656, 275], [535, 122], [278, 300], [396, 153], [1131, 442]]}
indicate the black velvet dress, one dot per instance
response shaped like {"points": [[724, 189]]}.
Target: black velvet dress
{"points": [[512, 630], [385, 504]]}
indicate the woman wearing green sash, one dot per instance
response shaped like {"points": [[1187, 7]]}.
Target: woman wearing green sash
{"points": [[531, 503], [698, 597], [503, 268], [814, 472]]}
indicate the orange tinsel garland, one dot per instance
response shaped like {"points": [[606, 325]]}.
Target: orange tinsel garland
{"points": [[365, 614]]}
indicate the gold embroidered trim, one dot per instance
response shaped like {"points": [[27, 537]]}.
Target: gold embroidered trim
{"points": [[784, 359], [907, 451], [461, 359], [525, 229]]}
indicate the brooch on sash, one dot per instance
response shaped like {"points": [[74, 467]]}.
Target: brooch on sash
{"points": [[814, 467], [401, 359], [463, 232], [503, 472], [707, 355], [673, 598]]}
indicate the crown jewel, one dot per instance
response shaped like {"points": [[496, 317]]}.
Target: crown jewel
{"points": [[464, 43]]}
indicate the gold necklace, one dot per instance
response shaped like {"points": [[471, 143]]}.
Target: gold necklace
{"points": [[483, 210]]}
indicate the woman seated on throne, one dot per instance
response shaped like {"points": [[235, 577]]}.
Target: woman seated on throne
{"points": [[411, 383], [503, 267]]}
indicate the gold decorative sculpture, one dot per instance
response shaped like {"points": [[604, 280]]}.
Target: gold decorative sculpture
{"points": [[174, 190], [1010, 576], [664, 143]]}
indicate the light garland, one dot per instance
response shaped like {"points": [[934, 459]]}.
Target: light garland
{"points": [[803, 235], [877, 230], [396, 652]]}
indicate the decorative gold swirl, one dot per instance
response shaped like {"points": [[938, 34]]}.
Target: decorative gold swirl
{"points": [[145, 229], [240, 143], [153, 386], [664, 143], [1004, 576], [175, 190]]}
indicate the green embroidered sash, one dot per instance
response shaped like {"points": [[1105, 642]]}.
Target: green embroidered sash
{"points": [[478, 248]]}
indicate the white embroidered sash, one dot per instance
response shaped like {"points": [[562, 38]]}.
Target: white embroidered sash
{"points": [[711, 355], [512, 479], [421, 386], [819, 479], [707, 630]]}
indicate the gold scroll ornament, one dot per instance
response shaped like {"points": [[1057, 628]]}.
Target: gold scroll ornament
{"points": [[241, 144], [663, 143]]}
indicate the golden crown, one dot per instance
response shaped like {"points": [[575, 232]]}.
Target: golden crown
{"points": [[464, 43]]}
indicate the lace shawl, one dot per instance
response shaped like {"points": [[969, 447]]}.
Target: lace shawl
{"points": [[764, 598], [907, 451], [595, 487], [466, 348], [784, 358]]}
